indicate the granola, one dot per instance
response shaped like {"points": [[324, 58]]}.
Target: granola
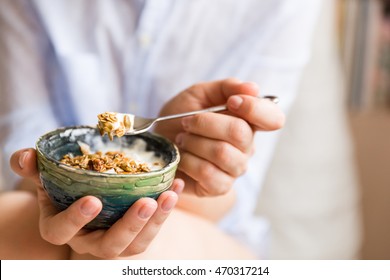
{"points": [[105, 162], [114, 124]]}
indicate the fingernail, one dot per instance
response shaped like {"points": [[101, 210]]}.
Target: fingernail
{"points": [[179, 139], [146, 211], [235, 102], [22, 158], [178, 189], [88, 208], [168, 203], [185, 122]]}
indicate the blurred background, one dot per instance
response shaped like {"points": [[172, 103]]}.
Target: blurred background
{"points": [[327, 194]]}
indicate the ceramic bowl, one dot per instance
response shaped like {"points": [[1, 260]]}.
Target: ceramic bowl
{"points": [[65, 184]]}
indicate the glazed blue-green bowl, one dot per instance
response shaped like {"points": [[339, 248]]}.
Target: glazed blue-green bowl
{"points": [[65, 184]]}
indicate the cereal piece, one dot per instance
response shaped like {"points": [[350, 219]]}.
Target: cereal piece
{"points": [[84, 148], [127, 122], [109, 161], [108, 123]]}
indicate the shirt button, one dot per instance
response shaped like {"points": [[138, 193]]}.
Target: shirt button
{"points": [[144, 40]]}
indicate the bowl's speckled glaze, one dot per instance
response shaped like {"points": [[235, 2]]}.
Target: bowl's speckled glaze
{"points": [[66, 184]]}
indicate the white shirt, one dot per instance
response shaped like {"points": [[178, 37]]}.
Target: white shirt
{"points": [[64, 61]]}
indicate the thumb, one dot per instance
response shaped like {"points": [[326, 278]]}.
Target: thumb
{"points": [[24, 163], [261, 113], [60, 227]]}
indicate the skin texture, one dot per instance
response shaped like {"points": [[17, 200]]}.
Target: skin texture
{"points": [[215, 149]]}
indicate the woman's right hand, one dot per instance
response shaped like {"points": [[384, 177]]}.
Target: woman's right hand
{"points": [[129, 236]]}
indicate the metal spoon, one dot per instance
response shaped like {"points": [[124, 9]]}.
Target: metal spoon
{"points": [[131, 124]]}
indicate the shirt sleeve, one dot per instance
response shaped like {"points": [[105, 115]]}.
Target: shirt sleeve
{"points": [[25, 108], [278, 61]]}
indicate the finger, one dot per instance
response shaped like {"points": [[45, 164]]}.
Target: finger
{"points": [[222, 154], [208, 178], [59, 228], [24, 163], [192, 186], [124, 231], [166, 202], [93, 242], [178, 186], [217, 92], [221, 127], [263, 114]]}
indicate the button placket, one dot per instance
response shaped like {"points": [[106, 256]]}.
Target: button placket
{"points": [[137, 77]]}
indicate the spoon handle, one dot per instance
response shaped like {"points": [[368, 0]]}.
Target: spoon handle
{"points": [[210, 109]]}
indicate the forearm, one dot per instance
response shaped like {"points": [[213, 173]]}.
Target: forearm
{"points": [[211, 208], [19, 230]]}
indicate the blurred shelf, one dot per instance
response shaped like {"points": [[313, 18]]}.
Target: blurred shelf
{"points": [[364, 31], [371, 134]]}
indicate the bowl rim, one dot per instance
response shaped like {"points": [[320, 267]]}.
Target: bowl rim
{"points": [[169, 166]]}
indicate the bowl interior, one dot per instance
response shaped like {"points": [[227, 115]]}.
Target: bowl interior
{"points": [[54, 145]]}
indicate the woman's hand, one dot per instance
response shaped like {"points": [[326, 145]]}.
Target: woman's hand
{"points": [[128, 236], [215, 148]]}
